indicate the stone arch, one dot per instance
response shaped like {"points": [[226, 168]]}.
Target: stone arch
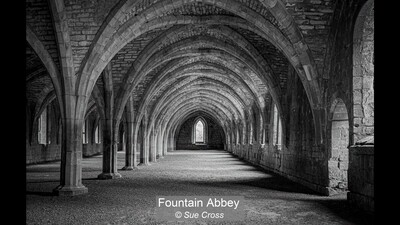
{"points": [[90, 108], [120, 28], [46, 97], [187, 70], [48, 93], [213, 98], [222, 49], [172, 121], [188, 119], [363, 73], [338, 155], [227, 93]]}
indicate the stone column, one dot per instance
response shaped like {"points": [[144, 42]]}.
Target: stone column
{"points": [[130, 157], [165, 145], [110, 134], [144, 150], [171, 143], [146, 145], [152, 146], [71, 157], [160, 151], [110, 148]]}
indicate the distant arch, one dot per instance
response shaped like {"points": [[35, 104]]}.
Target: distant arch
{"points": [[339, 154]]}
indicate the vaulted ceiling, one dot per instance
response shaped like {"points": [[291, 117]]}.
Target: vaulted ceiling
{"points": [[224, 58]]}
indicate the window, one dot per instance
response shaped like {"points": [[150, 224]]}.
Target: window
{"points": [[97, 134], [199, 131], [277, 129], [251, 134], [237, 136], [42, 128], [84, 133], [254, 127]]}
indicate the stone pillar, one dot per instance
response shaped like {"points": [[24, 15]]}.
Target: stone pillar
{"points": [[171, 143], [160, 148], [110, 132], [144, 150], [130, 157], [156, 144], [110, 147], [152, 146], [146, 147], [361, 177], [71, 156], [165, 145]]}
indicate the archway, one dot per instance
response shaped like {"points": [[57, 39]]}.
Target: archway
{"points": [[339, 153], [363, 73], [199, 131]]}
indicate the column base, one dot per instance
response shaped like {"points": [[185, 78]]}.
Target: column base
{"points": [[129, 168], [107, 176], [363, 202], [144, 164], [70, 190]]}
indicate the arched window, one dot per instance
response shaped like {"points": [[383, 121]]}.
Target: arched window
{"points": [[254, 124], [277, 129], [339, 155], [200, 131], [43, 127], [84, 133], [199, 138], [237, 136], [97, 134]]}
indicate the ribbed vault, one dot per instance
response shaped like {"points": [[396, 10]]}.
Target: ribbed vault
{"points": [[227, 33]]}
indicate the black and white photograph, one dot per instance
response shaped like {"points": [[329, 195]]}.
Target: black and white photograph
{"points": [[199, 112]]}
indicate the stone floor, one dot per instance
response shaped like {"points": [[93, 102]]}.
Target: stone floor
{"points": [[131, 200]]}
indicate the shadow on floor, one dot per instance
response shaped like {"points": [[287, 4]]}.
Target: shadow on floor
{"points": [[92, 178], [40, 193], [270, 183], [42, 170], [41, 181], [343, 209]]}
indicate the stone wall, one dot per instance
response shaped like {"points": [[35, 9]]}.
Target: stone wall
{"points": [[184, 137], [51, 151], [38, 153], [91, 147], [338, 73], [302, 160], [361, 176], [298, 159]]}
